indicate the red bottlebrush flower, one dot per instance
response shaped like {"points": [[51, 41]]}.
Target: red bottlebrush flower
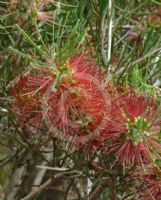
{"points": [[132, 129], [72, 100], [79, 103], [149, 184]]}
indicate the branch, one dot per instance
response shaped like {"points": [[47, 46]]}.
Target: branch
{"points": [[13, 157], [37, 190], [110, 31], [47, 183], [98, 190], [147, 56], [107, 57], [41, 172]]}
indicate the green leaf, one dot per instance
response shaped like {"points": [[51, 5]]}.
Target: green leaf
{"points": [[156, 2], [28, 38], [27, 57]]}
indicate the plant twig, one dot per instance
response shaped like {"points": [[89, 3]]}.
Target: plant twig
{"points": [[146, 56], [14, 156], [47, 183], [100, 187], [110, 31]]}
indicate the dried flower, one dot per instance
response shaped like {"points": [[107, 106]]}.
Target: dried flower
{"points": [[40, 10], [148, 185], [154, 20]]}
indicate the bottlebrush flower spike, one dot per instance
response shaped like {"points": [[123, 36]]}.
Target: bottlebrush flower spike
{"points": [[78, 103], [73, 98], [133, 128]]}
